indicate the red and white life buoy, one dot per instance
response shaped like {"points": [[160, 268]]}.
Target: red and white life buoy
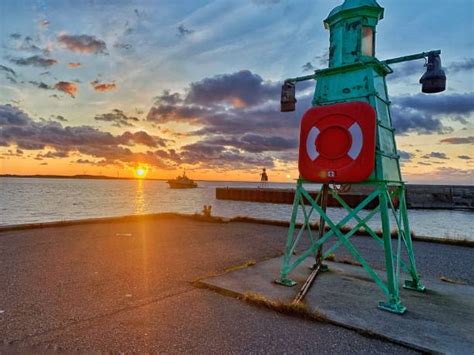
{"points": [[337, 143]]}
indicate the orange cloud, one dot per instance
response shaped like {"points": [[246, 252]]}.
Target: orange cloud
{"points": [[103, 87], [74, 65], [67, 87]]}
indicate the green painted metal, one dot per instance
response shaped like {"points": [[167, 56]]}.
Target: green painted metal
{"points": [[354, 74]]}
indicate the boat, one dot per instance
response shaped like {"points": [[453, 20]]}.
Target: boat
{"points": [[182, 182]]}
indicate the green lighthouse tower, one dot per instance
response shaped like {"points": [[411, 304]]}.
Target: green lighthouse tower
{"points": [[356, 75]]}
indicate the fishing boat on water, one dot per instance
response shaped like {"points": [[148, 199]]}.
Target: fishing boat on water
{"points": [[182, 182]]}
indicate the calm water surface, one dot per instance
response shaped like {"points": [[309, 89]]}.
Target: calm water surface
{"points": [[30, 200]]}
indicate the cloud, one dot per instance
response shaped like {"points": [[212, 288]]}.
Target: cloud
{"points": [[83, 44], [239, 89], [36, 61], [438, 104], [103, 87], [436, 155], [40, 85], [44, 24], [406, 69], [59, 118], [9, 73], [423, 114], [183, 31], [266, 2], [74, 65], [118, 118], [122, 45], [67, 87], [461, 66], [141, 137], [464, 157], [407, 120], [58, 141], [405, 156], [237, 119], [308, 67], [458, 140]]}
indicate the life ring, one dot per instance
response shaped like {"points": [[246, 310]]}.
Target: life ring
{"points": [[337, 143]]}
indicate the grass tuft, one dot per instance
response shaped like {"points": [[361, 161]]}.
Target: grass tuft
{"points": [[452, 281], [299, 309]]}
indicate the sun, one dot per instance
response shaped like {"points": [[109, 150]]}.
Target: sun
{"points": [[140, 172]]}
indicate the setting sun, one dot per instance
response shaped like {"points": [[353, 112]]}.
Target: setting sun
{"points": [[140, 172]]}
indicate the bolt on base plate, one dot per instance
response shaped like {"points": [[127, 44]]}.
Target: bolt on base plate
{"points": [[285, 282], [414, 285], [396, 308]]}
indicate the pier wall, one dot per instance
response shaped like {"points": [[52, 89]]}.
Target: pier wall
{"points": [[418, 196]]}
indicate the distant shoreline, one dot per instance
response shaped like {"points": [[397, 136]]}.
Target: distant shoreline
{"points": [[104, 177]]}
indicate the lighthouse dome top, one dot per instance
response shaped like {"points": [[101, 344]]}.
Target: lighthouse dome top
{"points": [[354, 8]]}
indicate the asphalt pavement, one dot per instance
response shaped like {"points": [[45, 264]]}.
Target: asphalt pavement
{"points": [[128, 287]]}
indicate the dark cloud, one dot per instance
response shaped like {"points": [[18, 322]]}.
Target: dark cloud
{"points": [[406, 120], [240, 89], [254, 143], [58, 141], [322, 60], [7, 70], [405, 156], [9, 73], [458, 140], [266, 2], [215, 156], [36, 61], [118, 118], [59, 118], [125, 46], [237, 117], [438, 104], [308, 67], [423, 113], [436, 155], [183, 31], [406, 69], [461, 66], [141, 137], [40, 85], [83, 44], [67, 87], [15, 35], [464, 157]]}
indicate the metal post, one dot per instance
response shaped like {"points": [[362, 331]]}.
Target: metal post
{"points": [[415, 283], [322, 227], [393, 304]]}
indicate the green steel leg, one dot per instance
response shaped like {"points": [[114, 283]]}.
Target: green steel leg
{"points": [[393, 303], [284, 280], [415, 283], [322, 226]]}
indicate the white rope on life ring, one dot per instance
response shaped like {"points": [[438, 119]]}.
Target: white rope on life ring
{"points": [[356, 146]]}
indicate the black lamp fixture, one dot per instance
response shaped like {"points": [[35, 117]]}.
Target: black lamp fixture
{"points": [[434, 79]]}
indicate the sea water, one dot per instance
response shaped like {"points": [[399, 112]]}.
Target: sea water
{"points": [[34, 200]]}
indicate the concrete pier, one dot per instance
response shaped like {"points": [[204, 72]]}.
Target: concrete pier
{"points": [[418, 196], [127, 285]]}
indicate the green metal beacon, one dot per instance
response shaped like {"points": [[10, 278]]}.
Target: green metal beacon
{"points": [[347, 138]]}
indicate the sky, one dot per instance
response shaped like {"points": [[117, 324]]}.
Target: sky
{"points": [[104, 87]]}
